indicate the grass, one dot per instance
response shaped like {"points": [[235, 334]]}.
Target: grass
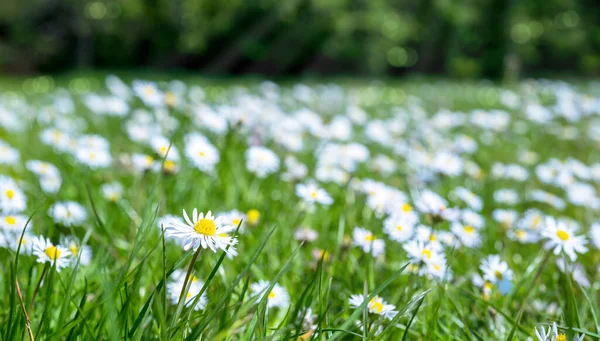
{"points": [[122, 293]]}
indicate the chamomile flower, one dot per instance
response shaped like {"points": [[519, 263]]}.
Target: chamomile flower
{"points": [[467, 234], [148, 93], [367, 241], [68, 213], [142, 162], [11, 239], [399, 227], [78, 250], [206, 231], [376, 305], [234, 218], [175, 286], [13, 222], [112, 191], [164, 148], [278, 297], [311, 194], [261, 161], [12, 198], [430, 203], [561, 237], [8, 155], [93, 158], [305, 234], [46, 252], [419, 251], [552, 334], [201, 153]]}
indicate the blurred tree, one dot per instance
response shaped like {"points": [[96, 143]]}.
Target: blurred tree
{"points": [[466, 38]]}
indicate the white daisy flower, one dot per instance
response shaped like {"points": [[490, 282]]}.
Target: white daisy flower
{"points": [[112, 191], [376, 305], [93, 158], [201, 153], [561, 237], [306, 234], [430, 203], [311, 193], [12, 198], [495, 270], [175, 286], [277, 298], [83, 252], [399, 227], [68, 213], [208, 232], [8, 155], [148, 93], [50, 253], [142, 162], [13, 222], [467, 234], [161, 146], [261, 161], [234, 218], [367, 241]]}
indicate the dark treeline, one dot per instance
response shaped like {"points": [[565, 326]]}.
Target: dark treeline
{"points": [[463, 38]]}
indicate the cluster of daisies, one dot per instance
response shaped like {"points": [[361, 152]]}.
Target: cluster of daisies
{"points": [[420, 185]]}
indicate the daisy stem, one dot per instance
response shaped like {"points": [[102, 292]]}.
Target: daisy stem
{"points": [[27, 320], [184, 289], [37, 287]]}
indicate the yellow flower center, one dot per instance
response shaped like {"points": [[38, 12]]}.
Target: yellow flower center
{"points": [[406, 208], [188, 295], [169, 165], [92, 155], [194, 279], [170, 98], [201, 154], [10, 220], [370, 237], [253, 216], [112, 197], [536, 221], [487, 285], [163, 149], [562, 234], [148, 90], [313, 194], [520, 234], [206, 227], [376, 306], [437, 267], [433, 237], [149, 160], [398, 227], [73, 248], [272, 295], [498, 275], [52, 252], [235, 222], [469, 229], [561, 337], [10, 193], [427, 253]]}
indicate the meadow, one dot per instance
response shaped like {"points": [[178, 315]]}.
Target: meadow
{"points": [[168, 208]]}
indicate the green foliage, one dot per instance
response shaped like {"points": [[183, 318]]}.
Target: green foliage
{"points": [[465, 38]]}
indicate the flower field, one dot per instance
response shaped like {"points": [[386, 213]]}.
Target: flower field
{"points": [[208, 209]]}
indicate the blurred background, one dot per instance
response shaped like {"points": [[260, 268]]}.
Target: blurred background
{"points": [[495, 39]]}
